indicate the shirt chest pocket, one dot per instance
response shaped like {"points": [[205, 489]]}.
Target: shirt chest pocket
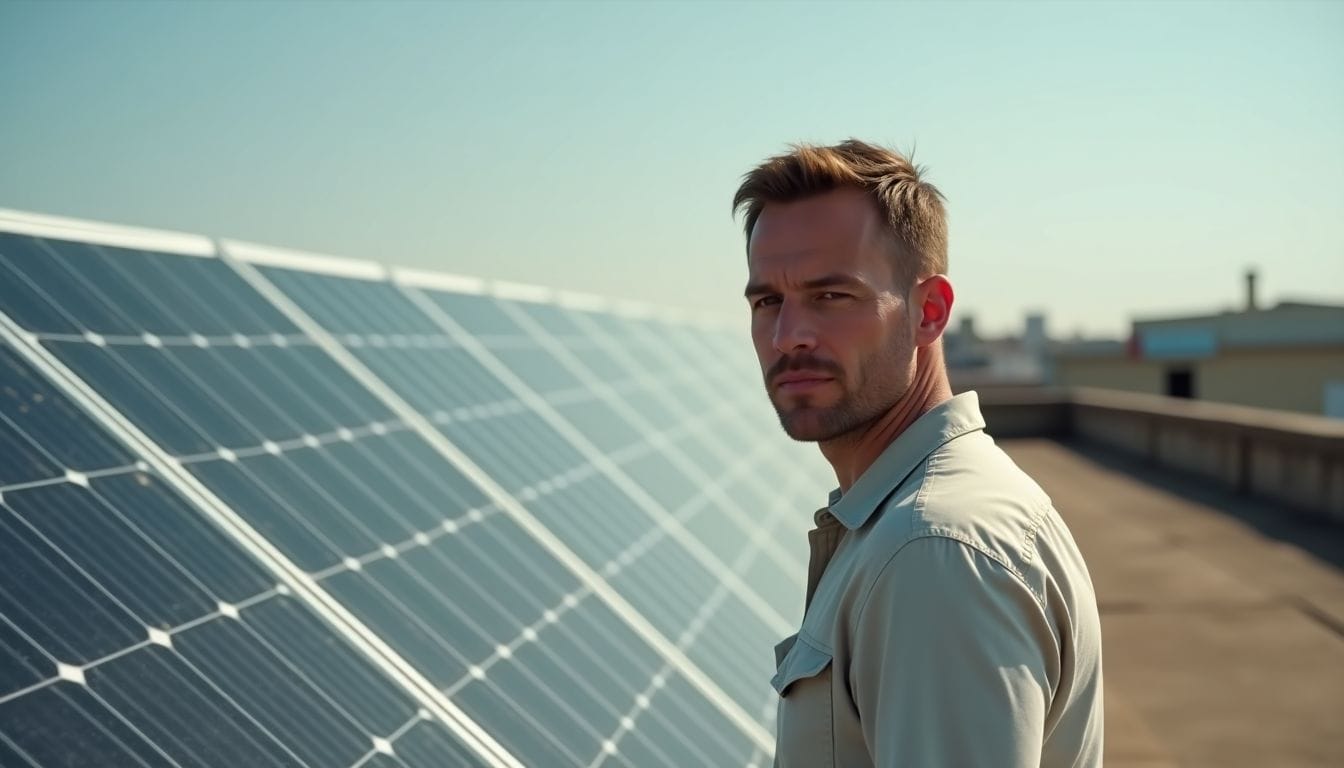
{"points": [[804, 723]]}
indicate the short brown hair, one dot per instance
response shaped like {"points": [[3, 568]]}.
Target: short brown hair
{"points": [[912, 207]]}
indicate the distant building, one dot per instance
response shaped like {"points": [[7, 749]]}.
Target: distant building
{"points": [[1289, 357], [973, 361]]}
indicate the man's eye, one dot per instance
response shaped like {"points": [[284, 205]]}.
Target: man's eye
{"points": [[832, 295], [765, 301]]}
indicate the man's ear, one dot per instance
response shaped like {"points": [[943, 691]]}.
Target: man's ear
{"points": [[933, 296]]}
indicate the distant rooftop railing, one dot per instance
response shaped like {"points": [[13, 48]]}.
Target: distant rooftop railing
{"points": [[1293, 459]]}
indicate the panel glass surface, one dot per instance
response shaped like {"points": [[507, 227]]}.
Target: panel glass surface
{"points": [[598, 519], [272, 426], [134, 632], [751, 488]]}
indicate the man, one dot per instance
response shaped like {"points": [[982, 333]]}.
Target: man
{"points": [[950, 619]]}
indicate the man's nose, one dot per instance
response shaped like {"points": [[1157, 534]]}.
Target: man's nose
{"points": [[794, 329]]}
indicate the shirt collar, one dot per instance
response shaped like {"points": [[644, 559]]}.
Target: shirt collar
{"points": [[948, 420]]}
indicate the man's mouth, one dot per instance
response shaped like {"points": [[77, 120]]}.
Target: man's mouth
{"points": [[801, 381]]}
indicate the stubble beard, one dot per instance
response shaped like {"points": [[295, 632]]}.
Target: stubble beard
{"points": [[879, 385]]}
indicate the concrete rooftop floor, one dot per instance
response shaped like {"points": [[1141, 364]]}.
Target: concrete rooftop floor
{"points": [[1222, 618]]}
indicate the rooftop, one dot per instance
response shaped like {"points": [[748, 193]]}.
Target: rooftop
{"points": [[1222, 617]]}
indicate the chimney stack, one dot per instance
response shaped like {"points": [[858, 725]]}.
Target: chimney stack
{"points": [[1251, 304]]}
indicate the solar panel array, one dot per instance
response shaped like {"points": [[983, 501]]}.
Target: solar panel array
{"points": [[268, 508]]}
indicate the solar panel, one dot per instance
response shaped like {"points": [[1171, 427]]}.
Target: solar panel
{"points": [[133, 632], [561, 534]]}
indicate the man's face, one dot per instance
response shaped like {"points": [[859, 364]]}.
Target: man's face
{"points": [[830, 324]]}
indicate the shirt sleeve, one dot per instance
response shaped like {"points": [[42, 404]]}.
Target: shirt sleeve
{"points": [[953, 661]]}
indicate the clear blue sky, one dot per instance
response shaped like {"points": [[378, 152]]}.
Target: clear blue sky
{"points": [[1102, 161]]}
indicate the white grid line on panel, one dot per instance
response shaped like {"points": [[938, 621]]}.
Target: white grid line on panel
{"points": [[336, 615], [302, 442], [432, 341], [387, 745], [226, 610], [393, 342], [197, 340], [693, 630], [617, 351], [680, 340], [383, 549], [615, 348], [278, 449], [194, 340], [268, 446], [507, 502], [696, 547], [70, 476], [539, 489], [802, 459], [33, 340], [618, 563], [678, 457], [241, 341], [160, 636], [610, 470], [611, 745], [423, 538], [689, 636], [418, 538], [691, 507], [409, 613], [608, 569], [478, 669], [550, 616]]}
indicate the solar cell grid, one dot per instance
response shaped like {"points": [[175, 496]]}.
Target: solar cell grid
{"points": [[721, 655], [408, 372], [616, 410], [594, 517], [775, 576], [650, 345], [132, 632], [514, 445], [277, 484], [397, 457], [722, 531], [707, 444]]}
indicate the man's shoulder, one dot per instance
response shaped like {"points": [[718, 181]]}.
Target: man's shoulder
{"points": [[971, 492]]}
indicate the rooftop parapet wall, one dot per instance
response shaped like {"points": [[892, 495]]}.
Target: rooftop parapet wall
{"points": [[1292, 459]]}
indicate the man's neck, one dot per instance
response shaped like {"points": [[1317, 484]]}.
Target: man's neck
{"points": [[852, 453]]}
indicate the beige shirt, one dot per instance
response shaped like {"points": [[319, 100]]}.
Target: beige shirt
{"points": [[950, 618]]}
